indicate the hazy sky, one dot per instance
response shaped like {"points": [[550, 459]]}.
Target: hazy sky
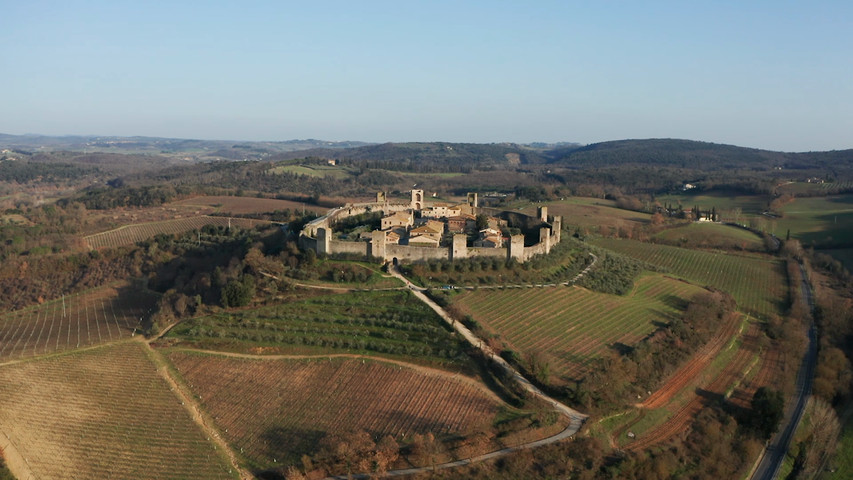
{"points": [[775, 74]]}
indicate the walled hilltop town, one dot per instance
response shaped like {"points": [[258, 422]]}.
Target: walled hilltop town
{"points": [[421, 230]]}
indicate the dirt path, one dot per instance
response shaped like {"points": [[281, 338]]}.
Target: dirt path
{"points": [[197, 414], [576, 419], [682, 419], [15, 462], [693, 367]]}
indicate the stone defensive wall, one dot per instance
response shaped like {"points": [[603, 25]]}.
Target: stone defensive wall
{"points": [[317, 236]]}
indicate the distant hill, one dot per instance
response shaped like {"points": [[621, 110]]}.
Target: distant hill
{"points": [[224, 149], [418, 156], [693, 155]]}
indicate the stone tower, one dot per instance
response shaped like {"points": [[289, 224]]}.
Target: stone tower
{"points": [[542, 213], [324, 238], [460, 246], [516, 247], [545, 238], [417, 199], [472, 199], [377, 244]]}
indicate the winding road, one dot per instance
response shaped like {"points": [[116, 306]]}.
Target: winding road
{"points": [[576, 419], [774, 453]]}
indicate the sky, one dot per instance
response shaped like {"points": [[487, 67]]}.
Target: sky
{"points": [[775, 75]]}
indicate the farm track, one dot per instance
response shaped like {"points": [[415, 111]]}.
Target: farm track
{"points": [[576, 419], [680, 422], [689, 371], [197, 413]]}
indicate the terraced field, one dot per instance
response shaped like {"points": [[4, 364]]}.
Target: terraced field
{"points": [[130, 234], [569, 326], [275, 410], [103, 413], [94, 317], [759, 285]]}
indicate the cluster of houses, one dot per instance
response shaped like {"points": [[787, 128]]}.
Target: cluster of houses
{"points": [[425, 226]]}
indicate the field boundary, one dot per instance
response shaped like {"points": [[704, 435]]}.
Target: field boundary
{"points": [[195, 410]]}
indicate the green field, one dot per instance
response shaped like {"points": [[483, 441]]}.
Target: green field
{"points": [[388, 322], [712, 235], [103, 413], [311, 170], [843, 255], [819, 220], [569, 326], [759, 285], [348, 274], [843, 461], [725, 202]]}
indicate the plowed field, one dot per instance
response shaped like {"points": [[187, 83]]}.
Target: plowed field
{"points": [[104, 413], [272, 410]]}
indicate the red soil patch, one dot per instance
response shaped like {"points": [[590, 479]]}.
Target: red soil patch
{"points": [[699, 362], [680, 422]]}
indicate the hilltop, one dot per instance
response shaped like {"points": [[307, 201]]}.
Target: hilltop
{"points": [[690, 154]]}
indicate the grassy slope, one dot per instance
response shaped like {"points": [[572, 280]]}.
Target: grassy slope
{"points": [[712, 235], [571, 326], [758, 284], [817, 220]]}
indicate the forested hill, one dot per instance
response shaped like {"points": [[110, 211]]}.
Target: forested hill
{"points": [[694, 155], [423, 156]]}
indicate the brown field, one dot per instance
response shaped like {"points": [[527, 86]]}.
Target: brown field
{"points": [[103, 413], [94, 317], [593, 214], [130, 234], [242, 205], [275, 410]]}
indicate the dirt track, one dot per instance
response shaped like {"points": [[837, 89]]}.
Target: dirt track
{"points": [[689, 371], [680, 422]]}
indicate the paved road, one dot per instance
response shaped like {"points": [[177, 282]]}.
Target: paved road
{"points": [[774, 454], [576, 418]]}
